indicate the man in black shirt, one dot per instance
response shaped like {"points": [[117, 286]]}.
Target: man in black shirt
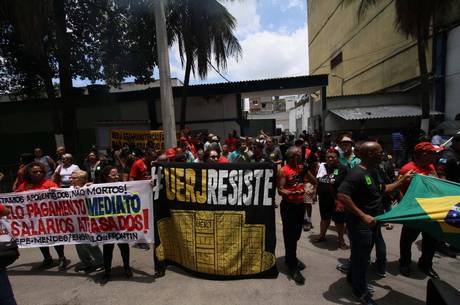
{"points": [[450, 161], [361, 192]]}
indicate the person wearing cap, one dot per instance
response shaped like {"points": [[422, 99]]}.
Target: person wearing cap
{"points": [[423, 163], [347, 157], [140, 170]]}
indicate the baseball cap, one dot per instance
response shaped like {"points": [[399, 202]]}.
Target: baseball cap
{"points": [[170, 153], [346, 139], [425, 147]]}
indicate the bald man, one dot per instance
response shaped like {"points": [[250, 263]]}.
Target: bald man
{"points": [[362, 192]]}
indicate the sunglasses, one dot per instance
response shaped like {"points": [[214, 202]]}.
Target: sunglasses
{"points": [[214, 157], [38, 172]]}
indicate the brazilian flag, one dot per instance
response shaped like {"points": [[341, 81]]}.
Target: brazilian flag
{"points": [[431, 205]]}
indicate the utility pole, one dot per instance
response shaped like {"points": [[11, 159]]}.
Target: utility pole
{"points": [[167, 99]]}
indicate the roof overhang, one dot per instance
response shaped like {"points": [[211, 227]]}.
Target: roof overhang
{"points": [[379, 112]]}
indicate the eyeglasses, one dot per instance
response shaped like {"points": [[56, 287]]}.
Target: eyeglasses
{"points": [[214, 157], [38, 172]]}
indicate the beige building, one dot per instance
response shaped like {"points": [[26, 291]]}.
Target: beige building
{"points": [[369, 61], [360, 56]]}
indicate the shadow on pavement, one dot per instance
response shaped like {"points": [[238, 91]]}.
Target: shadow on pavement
{"points": [[393, 269], [340, 293], [118, 276], [329, 244]]}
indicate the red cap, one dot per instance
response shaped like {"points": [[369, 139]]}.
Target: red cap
{"points": [[183, 139], [170, 153], [425, 147]]}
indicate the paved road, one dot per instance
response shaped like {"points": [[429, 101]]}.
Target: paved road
{"points": [[324, 284]]}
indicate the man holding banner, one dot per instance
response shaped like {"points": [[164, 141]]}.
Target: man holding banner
{"points": [[361, 192], [291, 180], [424, 159]]}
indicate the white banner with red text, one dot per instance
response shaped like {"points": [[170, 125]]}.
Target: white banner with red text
{"points": [[119, 212]]}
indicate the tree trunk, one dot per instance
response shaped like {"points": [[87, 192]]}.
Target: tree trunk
{"points": [[183, 104], [425, 90], [167, 99], [65, 76]]}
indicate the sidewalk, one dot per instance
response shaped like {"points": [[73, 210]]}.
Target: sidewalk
{"points": [[324, 284]]}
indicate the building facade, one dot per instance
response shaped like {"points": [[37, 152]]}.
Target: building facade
{"points": [[366, 55]]}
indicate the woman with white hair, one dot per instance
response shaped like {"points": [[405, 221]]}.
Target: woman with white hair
{"points": [[63, 172]]}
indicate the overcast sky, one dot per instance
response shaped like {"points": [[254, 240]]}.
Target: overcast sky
{"points": [[274, 38]]}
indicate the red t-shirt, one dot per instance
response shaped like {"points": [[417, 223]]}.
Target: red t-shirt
{"points": [[222, 159], [427, 171], [139, 170], [294, 182], [44, 185], [231, 143], [2, 208]]}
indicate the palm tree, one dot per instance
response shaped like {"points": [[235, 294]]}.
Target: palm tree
{"points": [[203, 30], [416, 18]]}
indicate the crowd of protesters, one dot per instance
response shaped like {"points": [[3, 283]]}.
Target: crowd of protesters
{"points": [[352, 182]]}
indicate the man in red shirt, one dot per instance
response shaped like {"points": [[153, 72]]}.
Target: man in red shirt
{"points": [[231, 141], [290, 183], [140, 170], [423, 163]]}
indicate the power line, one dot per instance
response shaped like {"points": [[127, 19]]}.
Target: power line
{"points": [[217, 71]]}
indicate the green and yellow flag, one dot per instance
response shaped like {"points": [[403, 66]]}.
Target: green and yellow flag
{"points": [[431, 205]]}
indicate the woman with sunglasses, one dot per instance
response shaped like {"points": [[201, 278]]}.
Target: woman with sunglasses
{"points": [[110, 174], [34, 180]]}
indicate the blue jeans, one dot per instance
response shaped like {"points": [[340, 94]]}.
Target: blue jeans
{"points": [[361, 241], [6, 293], [380, 249]]}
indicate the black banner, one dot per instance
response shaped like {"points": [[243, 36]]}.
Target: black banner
{"points": [[216, 220]]}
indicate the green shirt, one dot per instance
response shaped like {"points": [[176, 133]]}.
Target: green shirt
{"points": [[349, 163]]}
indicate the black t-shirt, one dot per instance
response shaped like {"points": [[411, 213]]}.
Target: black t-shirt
{"points": [[450, 161], [366, 188], [329, 183]]}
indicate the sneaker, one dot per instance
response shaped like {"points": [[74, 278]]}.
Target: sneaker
{"points": [[81, 267], [307, 226], [93, 268], [105, 279], [298, 277], [428, 271], [47, 263], [343, 267], [379, 271], [128, 272], [142, 246], [63, 263], [366, 299]]}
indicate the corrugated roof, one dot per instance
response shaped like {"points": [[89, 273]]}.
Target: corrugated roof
{"points": [[380, 112]]}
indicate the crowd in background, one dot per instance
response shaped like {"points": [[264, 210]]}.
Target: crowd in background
{"points": [[323, 165]]}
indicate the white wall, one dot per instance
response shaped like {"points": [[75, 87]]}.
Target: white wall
{"points": [[453, 74]]}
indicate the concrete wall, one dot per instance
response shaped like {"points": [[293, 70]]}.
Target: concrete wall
{"points": [[375, 54], [453, 74], [28, 124]]}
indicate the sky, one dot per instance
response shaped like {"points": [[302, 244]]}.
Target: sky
{"points": [[274, 39]]}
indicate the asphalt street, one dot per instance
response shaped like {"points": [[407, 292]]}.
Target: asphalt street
{"points": [[324, 284]]}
